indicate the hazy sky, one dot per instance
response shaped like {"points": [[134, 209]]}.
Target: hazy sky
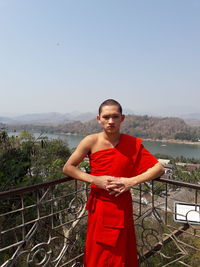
{"points": [[68, 55]]}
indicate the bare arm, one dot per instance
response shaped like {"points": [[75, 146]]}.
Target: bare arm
{"points": [[70, 167], [152, 173], [123, 184]]}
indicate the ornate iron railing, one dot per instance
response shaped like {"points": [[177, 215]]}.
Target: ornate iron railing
{"points": [[161, 240], [44, 224]]}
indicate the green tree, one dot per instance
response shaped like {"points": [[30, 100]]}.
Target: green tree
{"points": [[14, 164], [26, 160]]}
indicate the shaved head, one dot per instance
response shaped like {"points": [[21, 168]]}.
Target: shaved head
{"points": [[110, 102]]}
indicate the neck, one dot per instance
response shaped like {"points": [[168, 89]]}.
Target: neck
{"points": [[112, 137]]}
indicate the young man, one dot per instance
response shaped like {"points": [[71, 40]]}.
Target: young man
{"points": [[118, 162]]}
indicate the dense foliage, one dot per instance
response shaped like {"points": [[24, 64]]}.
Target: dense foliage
{"points": [[183, 169], [26, 160]]}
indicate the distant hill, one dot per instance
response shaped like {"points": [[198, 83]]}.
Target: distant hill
{"points": [[81, 116], [141, 126], [6, 120], [192, 119], [55, 118], [52, 118], [193, 122], [194, 116]]}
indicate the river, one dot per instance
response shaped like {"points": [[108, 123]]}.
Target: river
{"points": [[171, 149]]}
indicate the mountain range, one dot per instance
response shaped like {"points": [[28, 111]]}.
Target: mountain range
{"points": [[52, 118], [143, 126], [55, 118]]}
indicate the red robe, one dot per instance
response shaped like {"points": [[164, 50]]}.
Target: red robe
{"points": [[110, 240]]}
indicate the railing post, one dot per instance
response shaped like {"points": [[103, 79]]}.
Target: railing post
{"points": [[152, 190], [140, 205], [22, 216], [166, 202]]}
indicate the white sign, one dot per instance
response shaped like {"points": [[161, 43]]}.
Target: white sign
{"points": [[186, 213]]}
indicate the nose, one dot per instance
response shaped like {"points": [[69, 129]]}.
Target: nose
{"points": [[110, 120]]}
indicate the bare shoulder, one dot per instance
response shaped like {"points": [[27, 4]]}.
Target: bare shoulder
{"points": [[88, 142], [82, 150], [91, 138]]}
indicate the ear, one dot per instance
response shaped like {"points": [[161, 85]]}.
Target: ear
{"points": [[98, 119], [123, 117]]}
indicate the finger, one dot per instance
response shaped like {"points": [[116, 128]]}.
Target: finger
{"points": [[110, 180], [118, 194], [124, 190], [111, 187], [113, 193], [121, 190], [116, 183], [114, 189]]}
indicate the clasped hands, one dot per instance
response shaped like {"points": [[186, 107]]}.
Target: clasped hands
{"points": [[114, 185]]}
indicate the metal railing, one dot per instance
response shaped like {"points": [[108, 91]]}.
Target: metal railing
{"points": [[45, 224], [161, 240]]}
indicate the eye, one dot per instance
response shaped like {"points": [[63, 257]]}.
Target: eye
{"points": [[106, 117]]}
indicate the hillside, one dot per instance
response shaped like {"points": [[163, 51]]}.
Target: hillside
{"points": [[141, 126], [154, 127], [48, 119]]}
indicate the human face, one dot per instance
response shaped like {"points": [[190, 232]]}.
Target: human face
{"points": [[110, 119]]}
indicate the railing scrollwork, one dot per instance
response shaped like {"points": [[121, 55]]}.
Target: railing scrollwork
{"points": [[45, 224]]}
